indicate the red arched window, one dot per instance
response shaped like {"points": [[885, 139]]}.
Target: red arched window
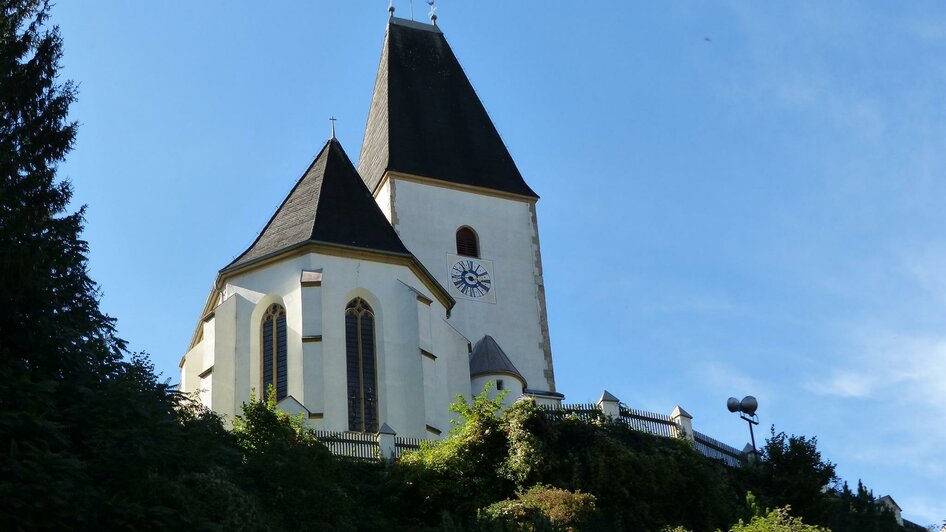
{"points": [[466, 243]]}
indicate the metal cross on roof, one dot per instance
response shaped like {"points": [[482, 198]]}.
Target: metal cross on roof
{"points": [[332, 120], [433, 12]]}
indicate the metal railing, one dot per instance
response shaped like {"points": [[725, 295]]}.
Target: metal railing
{"points": [[649, 422], [353, 445], [403, 445], [361, 446], [713, 448]]}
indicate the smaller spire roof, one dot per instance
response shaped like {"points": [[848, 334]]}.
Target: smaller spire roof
{"points": [[329, 204], [488, 358]]}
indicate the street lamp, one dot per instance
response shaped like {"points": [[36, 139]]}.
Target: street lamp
{"points": [[746, 409]]}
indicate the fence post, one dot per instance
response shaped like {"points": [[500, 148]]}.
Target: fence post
{"points": [[684, 422], [610, 405], [386, 441]]}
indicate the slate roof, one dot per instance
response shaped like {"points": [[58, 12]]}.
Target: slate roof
{"points": [[488, 358], [426, 119], [329, 204]]}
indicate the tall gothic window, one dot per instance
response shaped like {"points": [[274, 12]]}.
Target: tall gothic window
{"points": [[466, 243], [362, 370], [274, 352]]}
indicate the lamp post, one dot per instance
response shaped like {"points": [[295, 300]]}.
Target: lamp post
{"points": [[746, 409]]}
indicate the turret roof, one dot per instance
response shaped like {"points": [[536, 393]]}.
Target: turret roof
{"points": [[488, 358]]}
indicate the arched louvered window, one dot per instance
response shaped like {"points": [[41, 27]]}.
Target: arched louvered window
{"points": [[273, 352], [467, 244], [362, 367]]}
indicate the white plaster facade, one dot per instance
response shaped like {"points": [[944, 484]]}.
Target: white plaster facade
{"points": [[421, 360], [426, 216], [422, 346]]}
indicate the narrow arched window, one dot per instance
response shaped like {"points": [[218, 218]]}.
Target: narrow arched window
{"points": [[273, 352], [467, 244], [361, 367]]}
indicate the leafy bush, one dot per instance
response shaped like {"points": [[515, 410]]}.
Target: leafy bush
{"points": [[299, 484], [777, 520], [543, 506]]}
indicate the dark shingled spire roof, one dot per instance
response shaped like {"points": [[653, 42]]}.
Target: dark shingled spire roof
{"points": [[488, 358], [426, 119], [329, 204]]}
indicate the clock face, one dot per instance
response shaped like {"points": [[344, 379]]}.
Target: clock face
{"points": [[471, 278]]}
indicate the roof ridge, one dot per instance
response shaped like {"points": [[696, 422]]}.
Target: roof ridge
{"points": [[413, 24]]}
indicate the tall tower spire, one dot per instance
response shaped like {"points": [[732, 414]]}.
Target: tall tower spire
{"points": [[437, 166], [427, 120]]}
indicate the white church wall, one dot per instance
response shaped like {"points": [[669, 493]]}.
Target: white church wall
{"points": [[191, 368], [313, 376], [311, 310], [383, 198], [314, 380], [511, 385], [205, 389], [242, 343], [423, 326], [427, 218], [453, 371], [222, 334], [317, 370], [207, 359]]}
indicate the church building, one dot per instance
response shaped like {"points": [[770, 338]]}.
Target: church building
{"points": [[376, 295]]}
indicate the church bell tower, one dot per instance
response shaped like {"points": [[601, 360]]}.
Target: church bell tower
{"points": [[442, 175]]}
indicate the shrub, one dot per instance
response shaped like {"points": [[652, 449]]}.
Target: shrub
{"points": [[543, 505]]}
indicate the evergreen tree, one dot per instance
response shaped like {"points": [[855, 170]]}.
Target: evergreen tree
{"points": [[50, 323], [54, 340], [87, 439], [792, 472]]}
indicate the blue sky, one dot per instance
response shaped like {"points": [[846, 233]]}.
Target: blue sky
{"points": [[737, 197]]}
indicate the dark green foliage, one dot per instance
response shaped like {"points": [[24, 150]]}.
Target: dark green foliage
{"points": [[86, 438], [793, 473], [638, 480], [300, 485], [464, 471], [859, 511]]}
